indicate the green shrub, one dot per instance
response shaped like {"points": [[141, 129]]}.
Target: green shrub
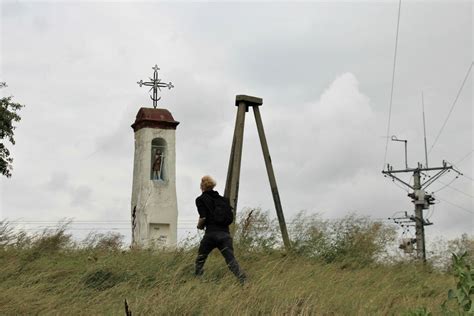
{"points": [[109, 241], [464, 287], [52, 240], [353, 239], [7, 234], [256, 231]]}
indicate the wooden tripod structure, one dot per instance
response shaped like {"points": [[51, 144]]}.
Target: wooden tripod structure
{"points": [[243, 102]]}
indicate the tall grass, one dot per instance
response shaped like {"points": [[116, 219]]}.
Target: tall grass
{"points": [[337, 267], [354, 240]]}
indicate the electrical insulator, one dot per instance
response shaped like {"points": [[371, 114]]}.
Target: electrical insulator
{"points": [[430, 199]]}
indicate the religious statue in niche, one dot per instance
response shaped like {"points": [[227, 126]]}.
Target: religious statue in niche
{"points": [[157, 166], [158, 159]]}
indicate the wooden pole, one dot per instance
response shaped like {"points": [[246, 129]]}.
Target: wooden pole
{"points": [[233, 174], [231, 160], [271, 177]]}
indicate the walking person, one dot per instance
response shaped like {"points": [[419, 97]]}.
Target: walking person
{"points": [[215, 216]]}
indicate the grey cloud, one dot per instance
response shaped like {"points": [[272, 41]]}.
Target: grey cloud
{"points": [[81, 196], [59, 181], [116, 142], [78, 195]]}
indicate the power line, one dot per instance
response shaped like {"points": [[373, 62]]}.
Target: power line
{"points": [[468, 177], [118, 222], [465, 157], [398, 185], [52, 225], [445, 185], [393, 82], [431, 213], [462, 192], [93, 229], [452, 107], [448, 185], [462, 174], [73, 222], [459, 207]]}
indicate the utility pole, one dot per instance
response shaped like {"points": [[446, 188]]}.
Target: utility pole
{"points": [[419, 222], [243, 102], [420, 198]]}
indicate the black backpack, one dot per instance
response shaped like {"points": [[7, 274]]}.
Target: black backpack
{"points": [[221, 213]]}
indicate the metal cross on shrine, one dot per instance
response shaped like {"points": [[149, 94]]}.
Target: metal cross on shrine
{"points": [[155, 85]]}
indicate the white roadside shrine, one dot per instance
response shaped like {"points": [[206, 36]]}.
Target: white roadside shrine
{"points": [[154, 209]]}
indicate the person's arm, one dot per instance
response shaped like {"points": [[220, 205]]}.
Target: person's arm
{"points": [[201, 223], [202, 210]]}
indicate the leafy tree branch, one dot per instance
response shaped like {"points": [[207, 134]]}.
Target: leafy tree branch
{"points": [[8, 116]]}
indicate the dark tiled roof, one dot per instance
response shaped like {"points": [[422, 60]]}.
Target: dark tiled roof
{"points": [[154, 118]]}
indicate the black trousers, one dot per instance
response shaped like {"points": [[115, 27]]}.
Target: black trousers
{"points": [[222, 241]]}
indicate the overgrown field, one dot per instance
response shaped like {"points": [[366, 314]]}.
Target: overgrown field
{"points": [[51, 274]]}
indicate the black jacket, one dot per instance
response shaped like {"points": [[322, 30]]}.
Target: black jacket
{"points": [[204, 204]]}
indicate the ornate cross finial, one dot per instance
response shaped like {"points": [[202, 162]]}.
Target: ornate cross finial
{"points": [[155, 85]]}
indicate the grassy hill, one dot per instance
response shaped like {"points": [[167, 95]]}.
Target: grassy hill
{"points": [[50, 274]]}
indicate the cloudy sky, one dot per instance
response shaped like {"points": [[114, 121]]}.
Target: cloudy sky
{"points": [[323, 69]]}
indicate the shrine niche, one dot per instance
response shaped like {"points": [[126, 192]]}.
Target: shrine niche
{"points": [[158, 158]]}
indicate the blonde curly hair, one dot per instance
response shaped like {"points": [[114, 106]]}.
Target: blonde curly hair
{"points": [[207, 183]]}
